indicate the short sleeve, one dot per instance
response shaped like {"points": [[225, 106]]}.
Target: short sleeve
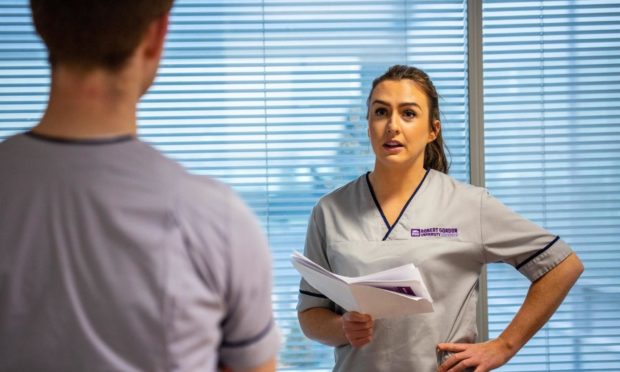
{"points": [[314, 249], [508, 237], [250, 336]]}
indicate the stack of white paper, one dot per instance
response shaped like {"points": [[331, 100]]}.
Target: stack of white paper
{"points": [[386, 294]]}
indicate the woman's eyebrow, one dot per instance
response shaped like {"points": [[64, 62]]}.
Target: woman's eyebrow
{"points": [[380, 102], [409, 104]]}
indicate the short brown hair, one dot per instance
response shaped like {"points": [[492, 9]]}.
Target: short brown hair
{"points": [[434, 154], [94, 33]]}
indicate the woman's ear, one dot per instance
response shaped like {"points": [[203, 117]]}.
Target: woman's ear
{"points": [[435, 129]]}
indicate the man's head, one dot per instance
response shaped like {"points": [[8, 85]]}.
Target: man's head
{"points": [[89, 34]]}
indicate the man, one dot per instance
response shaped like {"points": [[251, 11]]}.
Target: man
{"points": [[112, 257]]}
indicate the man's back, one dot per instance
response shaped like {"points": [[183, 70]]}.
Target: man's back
{"points": [[123, 261]]}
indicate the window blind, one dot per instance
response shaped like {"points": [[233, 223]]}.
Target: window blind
{"points": [[269, 97], [295, 108], [24, 75], [552, 153]]}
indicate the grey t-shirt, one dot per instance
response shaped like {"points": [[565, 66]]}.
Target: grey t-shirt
{"points": [[114, 258], [449, 230]]}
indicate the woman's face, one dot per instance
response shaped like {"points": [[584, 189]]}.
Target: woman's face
{"points": [[398, 124]]}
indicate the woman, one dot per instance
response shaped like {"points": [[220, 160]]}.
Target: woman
{"points": [[407, 210]]}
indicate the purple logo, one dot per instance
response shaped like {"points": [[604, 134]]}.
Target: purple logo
{"points": [[442, 232]]}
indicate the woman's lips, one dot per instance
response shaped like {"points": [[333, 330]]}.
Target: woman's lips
{"points": [[393, 146]]}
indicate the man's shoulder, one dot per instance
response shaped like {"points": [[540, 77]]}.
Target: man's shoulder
{"points": [[206, 198], [195, 187], [12, 143]]}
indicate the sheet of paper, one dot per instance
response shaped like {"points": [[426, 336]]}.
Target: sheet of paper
{"points": [[387, 304], [402, 276], [390, 293], [334, 288]]}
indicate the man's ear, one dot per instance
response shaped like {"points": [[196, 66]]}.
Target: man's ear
{"points": [[155, 37], [435, 130], [150, 50]]}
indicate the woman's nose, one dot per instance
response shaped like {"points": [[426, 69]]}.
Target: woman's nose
{"points": [[393, 124]]}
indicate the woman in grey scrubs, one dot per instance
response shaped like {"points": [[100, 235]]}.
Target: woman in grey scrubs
{"points": [[408, 210]]}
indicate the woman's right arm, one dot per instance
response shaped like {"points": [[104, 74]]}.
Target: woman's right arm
{"points": [[327, 327], [318, 322]]}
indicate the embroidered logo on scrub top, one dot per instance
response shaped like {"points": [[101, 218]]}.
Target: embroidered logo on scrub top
{"points": [[443, 232]]}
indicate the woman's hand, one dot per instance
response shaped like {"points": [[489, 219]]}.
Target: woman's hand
{"points": [[357, 328], [480, 357], [543, 298]]}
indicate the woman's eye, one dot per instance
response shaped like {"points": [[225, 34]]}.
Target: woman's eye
{"points": [[409, 113], [380, 112]]}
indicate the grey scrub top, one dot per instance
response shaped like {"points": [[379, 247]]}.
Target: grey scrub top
{"points": [[449, 230], [114, 258]]}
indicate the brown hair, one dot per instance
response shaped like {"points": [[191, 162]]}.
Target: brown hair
{"points": [[434, 154], [94, 33]]}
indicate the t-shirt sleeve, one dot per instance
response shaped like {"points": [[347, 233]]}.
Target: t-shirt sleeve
{"points": [[314, 249], [249, 334], [508, 237]]}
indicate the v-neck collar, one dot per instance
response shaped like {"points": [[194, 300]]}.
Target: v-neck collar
{"points": [[402, 211]]}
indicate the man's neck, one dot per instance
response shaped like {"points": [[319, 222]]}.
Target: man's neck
{"points": [[90, 105]]}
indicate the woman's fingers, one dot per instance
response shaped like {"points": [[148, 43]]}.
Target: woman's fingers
{"points": [[354, 316], [357, 328]]}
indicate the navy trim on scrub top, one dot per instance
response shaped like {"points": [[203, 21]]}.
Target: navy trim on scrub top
{"points": [[94, 141], [312, 294], [250, 340], [374, 197], [540, 251], [402, 211]]}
